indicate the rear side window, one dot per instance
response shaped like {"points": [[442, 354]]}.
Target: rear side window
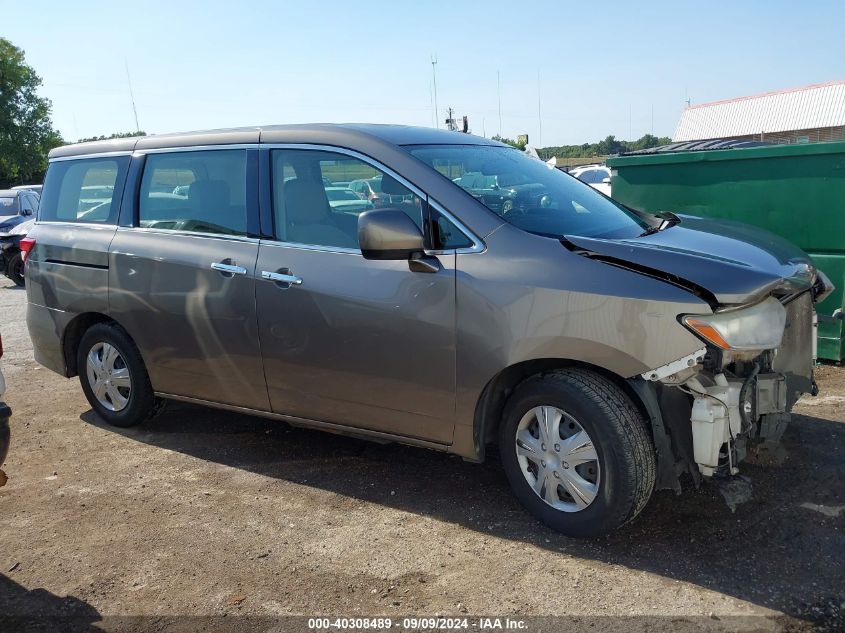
{"points": [[85, 190], [198, 192]]}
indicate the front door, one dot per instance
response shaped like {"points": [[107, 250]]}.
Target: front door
{"points": [[363, 343]]}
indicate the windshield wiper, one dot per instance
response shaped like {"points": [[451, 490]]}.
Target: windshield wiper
{"points": [[667, 219]]}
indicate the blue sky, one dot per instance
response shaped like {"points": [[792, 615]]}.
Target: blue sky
{"points": [[604, 67]]}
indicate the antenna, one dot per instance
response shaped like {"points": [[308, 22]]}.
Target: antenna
{"points": [[131, 95], [434, 78], [499, 95], [539, 113]]}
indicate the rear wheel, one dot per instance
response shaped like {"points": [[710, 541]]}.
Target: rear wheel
{"points": [[114, 378], [577, 452], [14, 269]]}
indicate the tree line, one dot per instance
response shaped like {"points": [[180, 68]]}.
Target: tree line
{"points": [[607, 147]]}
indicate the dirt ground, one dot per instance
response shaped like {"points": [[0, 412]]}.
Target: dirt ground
{"points": [[205, 512]]}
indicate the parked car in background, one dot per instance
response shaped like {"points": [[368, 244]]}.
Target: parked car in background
{"points": [[35, 188], [17, 210], [11, 257], [503, 193], [345, 200], [5, 414], [604, 352], [371, 189], [368, 189], [16, 206], [597, 176]]}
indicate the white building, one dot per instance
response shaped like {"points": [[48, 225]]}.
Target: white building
{"points": [[799, 115]]}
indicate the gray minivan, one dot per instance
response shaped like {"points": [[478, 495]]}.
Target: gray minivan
{"points": [[607, 352]]}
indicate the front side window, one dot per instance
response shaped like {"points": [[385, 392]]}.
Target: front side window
{"points": [[84, 190], [315, 200], [199, 191], [528, 193]]}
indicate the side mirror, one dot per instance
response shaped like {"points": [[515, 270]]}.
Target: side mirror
{"points": [[606, 181], [388, 234]]}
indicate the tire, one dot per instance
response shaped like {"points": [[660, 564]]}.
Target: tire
{"points": [[128, 398], [14, 269], [603, 493]]}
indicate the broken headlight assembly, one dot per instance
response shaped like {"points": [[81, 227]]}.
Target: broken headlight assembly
{"points": [[752, 329]]}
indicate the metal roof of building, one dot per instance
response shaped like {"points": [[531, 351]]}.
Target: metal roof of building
{"points": [[815, 106]]}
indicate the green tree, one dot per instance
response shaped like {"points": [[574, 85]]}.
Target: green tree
{"points": [[509, 141], [110, 136], [610, 145], [26, 131]]}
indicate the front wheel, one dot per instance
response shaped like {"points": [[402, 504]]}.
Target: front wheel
{"points": [[14, 269], [114, 378], [577, 452]]}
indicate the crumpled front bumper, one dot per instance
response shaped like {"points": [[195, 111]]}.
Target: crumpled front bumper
{"points": [[714, 405]]}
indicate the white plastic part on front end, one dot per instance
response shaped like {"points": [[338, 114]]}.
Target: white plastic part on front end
{"points": [[676, 366], [715, 420]]}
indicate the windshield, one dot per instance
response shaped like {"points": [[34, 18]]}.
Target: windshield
{"points": [[528, 193]]}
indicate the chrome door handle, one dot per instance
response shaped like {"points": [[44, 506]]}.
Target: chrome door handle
{"points": [[229, 268], [293, 280]]}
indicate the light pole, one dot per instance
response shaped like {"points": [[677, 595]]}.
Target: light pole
{"points": [[434, 78]]}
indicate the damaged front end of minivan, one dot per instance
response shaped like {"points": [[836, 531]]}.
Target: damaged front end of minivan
{"points": [[734, 394]]}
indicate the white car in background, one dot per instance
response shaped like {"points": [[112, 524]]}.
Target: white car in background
{"points": [[597, 176]]}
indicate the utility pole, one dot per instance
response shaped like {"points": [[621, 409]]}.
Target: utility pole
{"points": [[499, 95], [131, 96], [434, 78]]}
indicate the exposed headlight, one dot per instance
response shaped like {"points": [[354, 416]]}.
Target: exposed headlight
{"points": [[822, 288], [759, 327]]}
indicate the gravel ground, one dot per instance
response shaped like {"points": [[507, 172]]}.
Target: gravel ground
{"points": [[205, 512]]}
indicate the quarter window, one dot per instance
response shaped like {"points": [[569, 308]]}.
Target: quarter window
{"points": [[83, 190], [310, 203], [199, 191], [445, 235]]}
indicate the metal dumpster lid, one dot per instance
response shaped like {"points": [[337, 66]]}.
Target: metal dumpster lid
{"points": [[698, 146]]}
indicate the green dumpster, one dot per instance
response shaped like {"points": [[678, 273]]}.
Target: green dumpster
{"points": [[796, 191]]}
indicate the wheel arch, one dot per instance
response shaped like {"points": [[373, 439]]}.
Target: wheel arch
{"points": [[74, 331], [494, 396]]}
